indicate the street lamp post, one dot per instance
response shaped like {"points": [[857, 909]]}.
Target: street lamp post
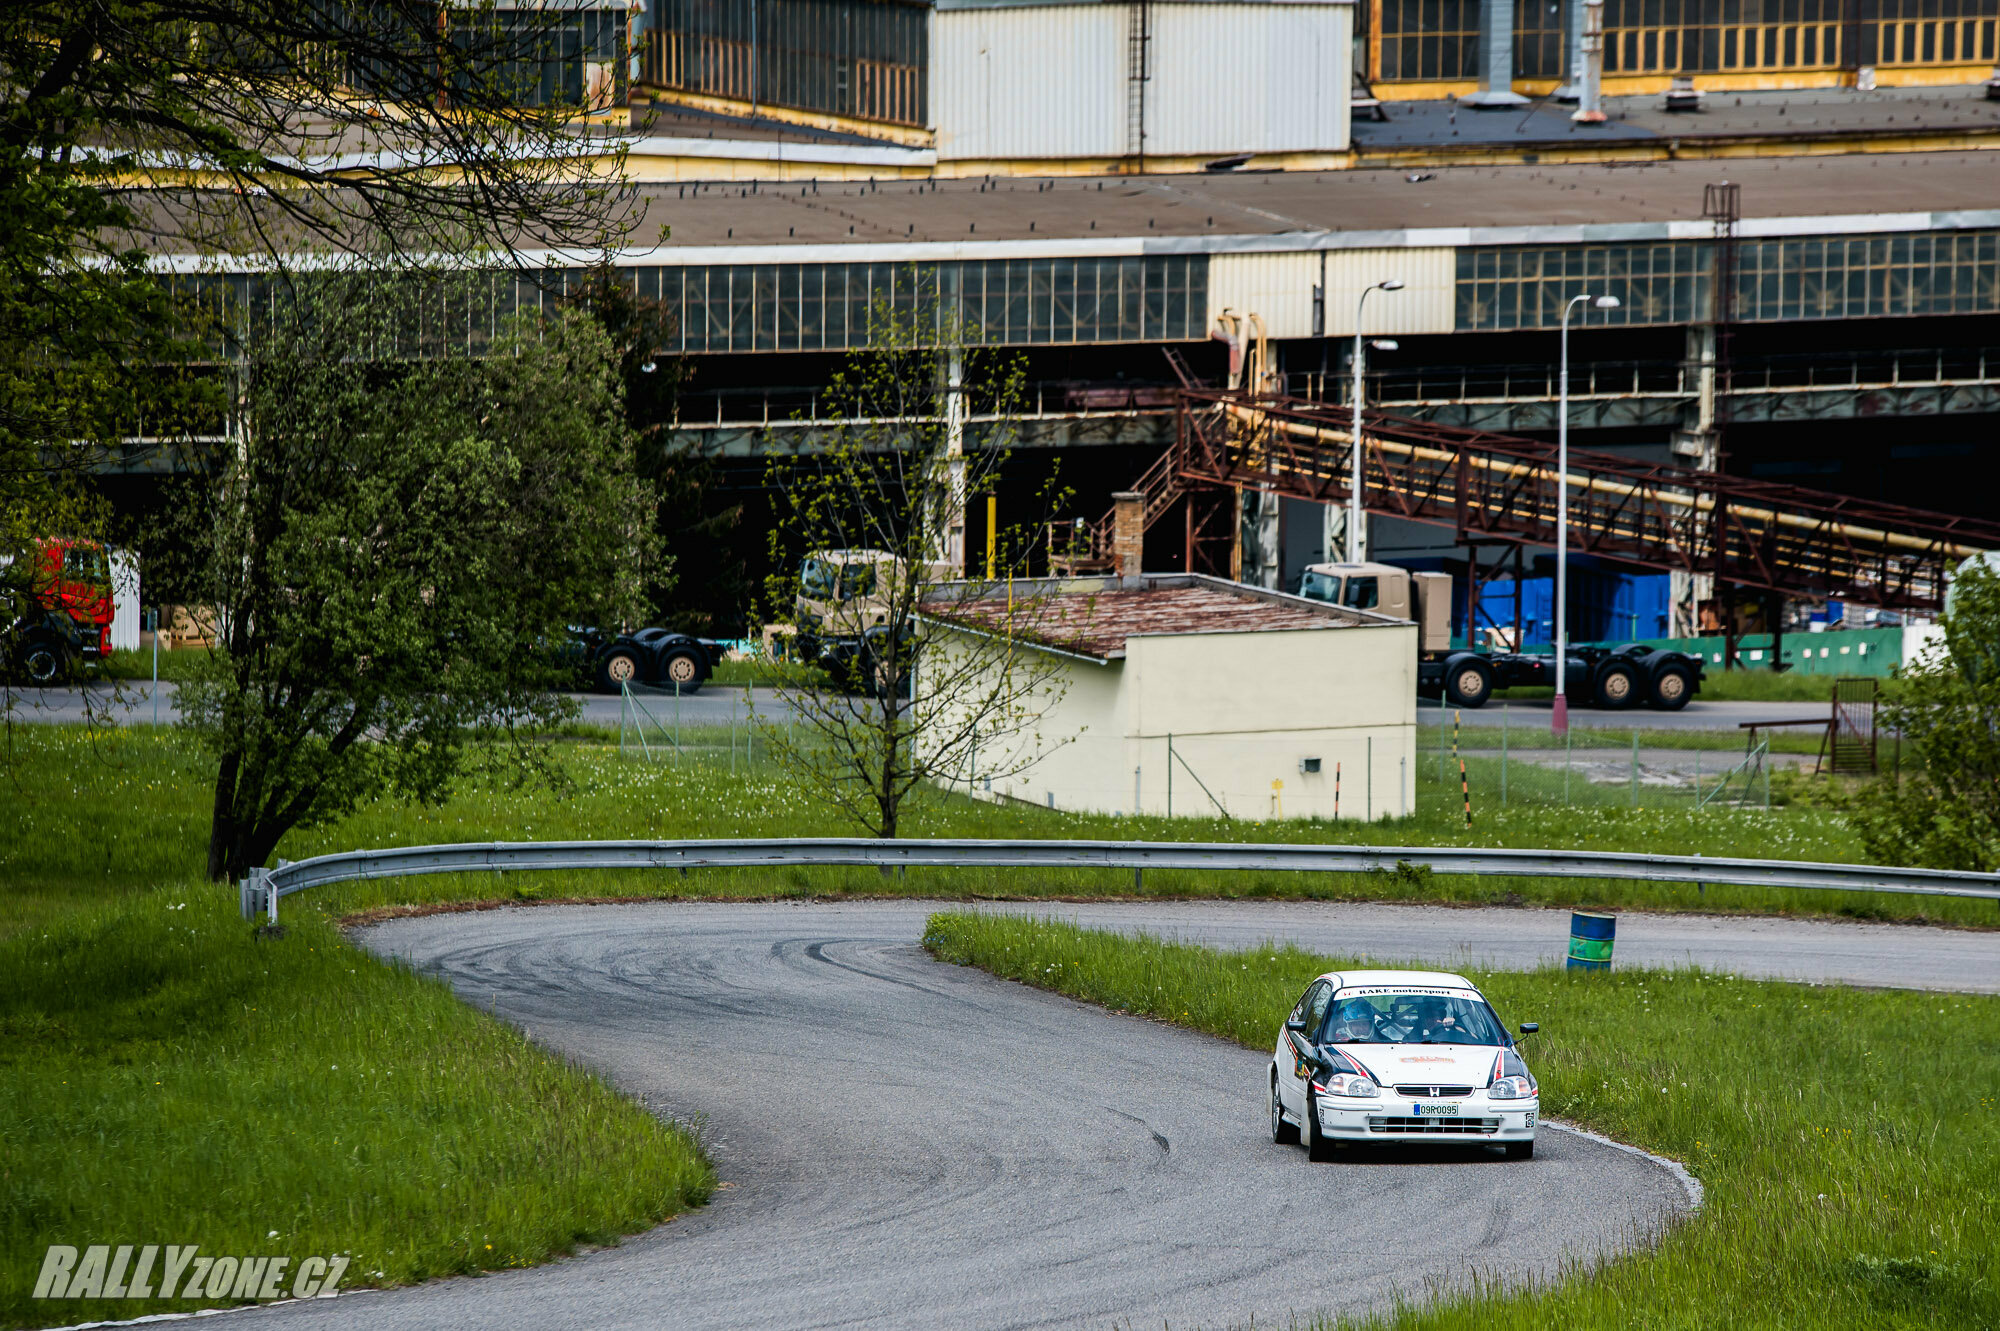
{"points": [[1354, 469], [1559, 724]]}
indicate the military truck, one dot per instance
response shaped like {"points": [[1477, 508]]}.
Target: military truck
{"points": [[1596, 676]]}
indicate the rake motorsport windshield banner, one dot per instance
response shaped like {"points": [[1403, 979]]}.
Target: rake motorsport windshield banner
{"points": [[105, 1271]]}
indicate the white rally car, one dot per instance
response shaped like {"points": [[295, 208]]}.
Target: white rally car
{"points": [[1402, 1056]]}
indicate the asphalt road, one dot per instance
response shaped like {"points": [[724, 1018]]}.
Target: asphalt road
{"points": [[1528, 716], [1822, 951], [921, 1145], [714, 705]]}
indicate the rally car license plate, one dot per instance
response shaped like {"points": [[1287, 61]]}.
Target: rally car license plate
{"points": [[1437, 1111]]}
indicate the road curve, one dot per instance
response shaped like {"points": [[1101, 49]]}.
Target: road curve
{"points": [[914, 1144]]}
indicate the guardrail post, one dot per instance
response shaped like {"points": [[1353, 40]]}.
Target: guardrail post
{"points": [[255, 893]]}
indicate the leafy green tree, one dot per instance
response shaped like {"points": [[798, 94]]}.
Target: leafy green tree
{"points": [[710, 581], [1942, 810], [266, 129], [395, 549]]}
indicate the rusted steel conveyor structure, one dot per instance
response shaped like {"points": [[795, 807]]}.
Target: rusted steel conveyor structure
{"points": [[1500, 488]]}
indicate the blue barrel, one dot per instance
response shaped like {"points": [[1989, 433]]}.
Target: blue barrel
{"points": [[1591, 934]]}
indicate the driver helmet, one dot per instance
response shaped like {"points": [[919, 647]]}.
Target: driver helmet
{"points": [[1355, 1020]]}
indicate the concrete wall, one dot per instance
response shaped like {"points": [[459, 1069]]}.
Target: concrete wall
{"points": [[1243, 709], [1279, 287], [1051, 81]]}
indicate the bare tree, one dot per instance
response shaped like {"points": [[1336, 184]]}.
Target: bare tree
{"points": [[891, 693]]}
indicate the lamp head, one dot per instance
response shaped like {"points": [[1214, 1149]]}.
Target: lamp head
{"points": [[1606, 302], [1384, 344], [1390, 284]]}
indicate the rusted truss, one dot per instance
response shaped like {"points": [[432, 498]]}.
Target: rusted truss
{"points": [[1493, 487]]}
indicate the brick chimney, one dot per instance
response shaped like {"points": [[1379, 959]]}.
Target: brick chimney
{"points": [[1128, 535]]}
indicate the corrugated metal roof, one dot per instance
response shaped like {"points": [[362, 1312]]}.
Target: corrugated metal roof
{"points": [[1097, 618]]}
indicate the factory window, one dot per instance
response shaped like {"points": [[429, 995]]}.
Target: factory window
{"points": [[1526, 287], [1538, 39], [1437, 40], [1805, 277], [1426, 40], [1932, 32], [546, 59], [859, 58], [1017, 302], [812, 306], [1846, 277], [1714, 36]]}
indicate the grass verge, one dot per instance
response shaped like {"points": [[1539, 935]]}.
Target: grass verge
{"points": [[167, 1077], [132, 663], [104, 818], [1844, 1137]]}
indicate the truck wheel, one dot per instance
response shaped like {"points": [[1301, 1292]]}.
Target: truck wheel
{"points": [[1617, 686], [683, 670], [617, 668], [44, 662], [1672, 688], [1470, 683]]}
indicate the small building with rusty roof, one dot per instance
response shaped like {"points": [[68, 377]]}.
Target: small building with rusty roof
{"points": [[1190, 696]]}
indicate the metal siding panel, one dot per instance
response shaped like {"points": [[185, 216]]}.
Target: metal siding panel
{"points": [[1279, 287], [1276, 286], [1046, 81], [1231, 78], [1426, 304]]}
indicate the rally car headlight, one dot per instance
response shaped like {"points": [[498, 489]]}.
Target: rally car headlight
{"points": [[1510, 1088], [1344, 1084]]}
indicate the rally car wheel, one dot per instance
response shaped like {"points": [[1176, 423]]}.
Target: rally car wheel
{"points": [[1283, 1131], [1318, 1148]]}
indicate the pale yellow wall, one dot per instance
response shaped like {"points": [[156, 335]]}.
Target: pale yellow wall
{"points": [[1243, 709], [1279, 287], [1075, 746]]}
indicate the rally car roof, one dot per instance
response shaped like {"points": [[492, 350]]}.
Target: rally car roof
{"points": [[1416, 979]]}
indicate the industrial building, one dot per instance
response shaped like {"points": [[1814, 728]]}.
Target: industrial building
{"points": [[1143, 200]]}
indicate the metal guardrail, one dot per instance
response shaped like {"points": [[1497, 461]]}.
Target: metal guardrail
{"points": [[264, 887]]}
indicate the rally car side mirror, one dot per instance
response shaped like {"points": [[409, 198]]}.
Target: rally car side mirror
{"points": [[1530, 1027]]}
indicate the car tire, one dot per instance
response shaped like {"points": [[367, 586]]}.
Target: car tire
{"points": [[1318, 1148], [1519, 1150], [683, 671], [1470, 683], [1617, 686], [616, 668], [1672, 688], [1283, 1131]]}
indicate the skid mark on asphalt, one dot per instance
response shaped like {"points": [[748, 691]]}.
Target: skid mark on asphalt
{"points": [[1164, 1144], [923, 1145]]}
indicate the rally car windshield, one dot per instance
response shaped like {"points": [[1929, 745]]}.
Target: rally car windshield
{"points": [[1383, 1017]]}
